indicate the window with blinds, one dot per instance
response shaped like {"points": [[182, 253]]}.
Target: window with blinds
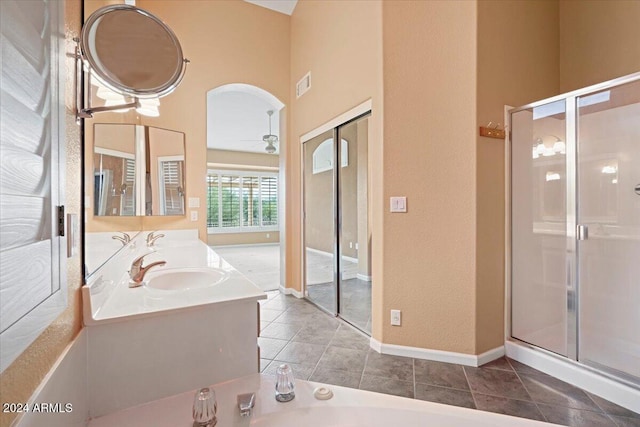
{"points": [[128, 190], [269, 200], [241, 201], [171, 191]]}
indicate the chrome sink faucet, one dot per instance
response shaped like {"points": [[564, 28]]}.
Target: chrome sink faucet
{"points": [[138, 271], [124, 239], [151, 238]]}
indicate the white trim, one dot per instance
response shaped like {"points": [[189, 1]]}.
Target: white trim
{"points": [[363, 277], [244, 245], [330, 255], [507, 223], [256, 91], [437, 355], [114, 153], [339, 120], [291, 291], [490, 355], [239, 230], [576, 374], [237, 167], [242, 173]]}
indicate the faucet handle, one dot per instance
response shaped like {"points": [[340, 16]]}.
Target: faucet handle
{"points": [[136, 265]]}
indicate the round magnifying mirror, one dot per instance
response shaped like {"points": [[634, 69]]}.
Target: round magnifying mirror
{"points": [[132, 51]]}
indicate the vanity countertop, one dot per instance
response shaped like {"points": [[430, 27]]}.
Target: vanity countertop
{"points": [[123, 303]]}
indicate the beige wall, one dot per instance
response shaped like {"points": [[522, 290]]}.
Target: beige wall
{"points": [[227, 42], [598, 41], [233, 158], [341, 44], [20, 379], [429, 157], [517, 64], [243, 238]]}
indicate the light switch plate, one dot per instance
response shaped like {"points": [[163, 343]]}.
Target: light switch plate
{"points": [[194, 202], [398, 204], [396, 318]]}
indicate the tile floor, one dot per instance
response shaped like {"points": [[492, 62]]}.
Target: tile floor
{"points": [[260, 263], [355, 300], [321, 348]]}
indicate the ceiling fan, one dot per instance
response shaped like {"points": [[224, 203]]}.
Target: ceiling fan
{"points": [[270, 139]]}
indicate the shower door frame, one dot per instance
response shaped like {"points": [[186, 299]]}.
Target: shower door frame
{"points": [[572, 209], [359, 112]]}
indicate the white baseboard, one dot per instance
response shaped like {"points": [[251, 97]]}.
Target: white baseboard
{"points": [[243, 245], [363, 277], [576, 374], [437, 355], [291, 291]]}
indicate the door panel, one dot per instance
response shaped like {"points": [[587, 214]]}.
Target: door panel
{"points": [[355, 235], [609, 207], [539, 261], [319, 221]]}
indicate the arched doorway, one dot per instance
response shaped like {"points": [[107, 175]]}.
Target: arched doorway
{"points": [[245, 181]]}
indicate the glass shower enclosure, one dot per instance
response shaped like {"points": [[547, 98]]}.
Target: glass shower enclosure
{"points": [[575, 226]]}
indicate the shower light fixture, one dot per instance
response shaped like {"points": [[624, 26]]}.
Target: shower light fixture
{"points": [[553, 176], [541, 149]]}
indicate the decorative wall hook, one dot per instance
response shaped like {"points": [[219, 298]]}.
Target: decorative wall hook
{"points": [[492, 130]]}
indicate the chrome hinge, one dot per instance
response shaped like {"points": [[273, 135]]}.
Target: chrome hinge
{"points": [[61, 220], [582, 232]]}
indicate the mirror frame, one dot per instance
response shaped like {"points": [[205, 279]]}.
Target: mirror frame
{"points": [[103, 76]]}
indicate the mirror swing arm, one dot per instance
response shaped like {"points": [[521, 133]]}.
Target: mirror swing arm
{"points": [[84, 108]]}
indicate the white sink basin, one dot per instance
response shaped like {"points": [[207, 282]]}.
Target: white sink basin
{"points": [[182, 279]]}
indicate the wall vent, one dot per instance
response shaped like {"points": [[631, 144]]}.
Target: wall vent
{"points": [[303, 85]]}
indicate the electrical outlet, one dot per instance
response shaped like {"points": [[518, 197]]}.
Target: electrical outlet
{"points": [[194, 215], [396, 317], [268, 235]]}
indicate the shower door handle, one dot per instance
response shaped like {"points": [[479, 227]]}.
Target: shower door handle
{"points": [[582, 232]]}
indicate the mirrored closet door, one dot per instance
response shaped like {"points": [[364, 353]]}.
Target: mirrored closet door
{"points": [[337, 231]]}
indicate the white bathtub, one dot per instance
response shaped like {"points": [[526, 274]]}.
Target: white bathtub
{"points": [[348, 407]]}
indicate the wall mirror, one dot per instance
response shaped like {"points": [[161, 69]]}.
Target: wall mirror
{"points": [[138, 170], [130, 53]]}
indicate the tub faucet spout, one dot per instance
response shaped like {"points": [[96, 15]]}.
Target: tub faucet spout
{"points": [[138, 271], [245, 403]]}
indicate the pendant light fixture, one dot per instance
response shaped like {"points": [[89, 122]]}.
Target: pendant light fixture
{"points": [[270, 139]]}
